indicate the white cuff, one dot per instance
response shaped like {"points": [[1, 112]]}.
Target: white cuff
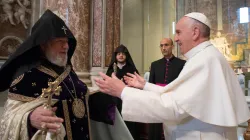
{"points": [[122, 94], [145, 86]]}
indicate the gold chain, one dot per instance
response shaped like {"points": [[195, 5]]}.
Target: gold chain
{"points": [[73, 87]]}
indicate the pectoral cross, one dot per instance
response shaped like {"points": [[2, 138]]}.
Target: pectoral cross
{"points": [[115, 68], [64, 29], [50, 91]]}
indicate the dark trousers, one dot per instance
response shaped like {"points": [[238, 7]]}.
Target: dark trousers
{"points": [[133, 128], [155, 131]]}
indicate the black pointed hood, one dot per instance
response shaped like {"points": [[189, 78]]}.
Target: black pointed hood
{"points": [[48, 27], [123, 49]]}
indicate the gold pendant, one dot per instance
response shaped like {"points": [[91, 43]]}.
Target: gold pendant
{"points": [[78, 108]]}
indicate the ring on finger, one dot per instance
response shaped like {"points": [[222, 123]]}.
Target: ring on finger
{"points": [[44, 126], [58, 130], [45, 106]]}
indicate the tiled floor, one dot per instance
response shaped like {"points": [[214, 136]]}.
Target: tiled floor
{"points": [[3, 97]]}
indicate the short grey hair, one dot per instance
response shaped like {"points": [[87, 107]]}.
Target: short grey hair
{"points": [[204, 29]]}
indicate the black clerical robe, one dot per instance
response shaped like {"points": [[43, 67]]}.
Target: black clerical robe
{"points": [[119, 74], [30, 84], [132, 126], [158, 76], [158, 70]]}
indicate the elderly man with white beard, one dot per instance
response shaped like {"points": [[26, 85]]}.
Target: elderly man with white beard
{"points": [[46, 99]]}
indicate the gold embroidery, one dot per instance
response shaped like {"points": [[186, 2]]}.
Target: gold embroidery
{"points": [[64, 74], [67, 119], [87, 104], [34, 84], [78, 108], [54, 74], [51, 73], [47, 71], [17, 80], [18, 97], [14, 88]]}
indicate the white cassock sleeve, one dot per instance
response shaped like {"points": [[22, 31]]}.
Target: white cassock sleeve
{"points": [[150, 107], [153, 87], [206, 89]]}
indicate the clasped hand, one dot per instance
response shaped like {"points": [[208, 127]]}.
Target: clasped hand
{"points": [[113, 86], [45, 119]]}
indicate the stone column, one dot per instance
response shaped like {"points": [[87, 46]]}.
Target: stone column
{"points": [[117, 21], [76, 14], [219, 15], [112, 28], [98, 23], [82, 29], [105, 34]]}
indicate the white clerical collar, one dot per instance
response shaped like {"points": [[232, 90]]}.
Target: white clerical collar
{"points": [[197, 49], [120, 66]]}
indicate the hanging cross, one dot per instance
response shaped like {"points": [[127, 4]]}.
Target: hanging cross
{"points": [[64, 29], [115, 68], [50, 91]]}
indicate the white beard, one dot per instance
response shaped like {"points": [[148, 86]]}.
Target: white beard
{"points": [[57, 59]]}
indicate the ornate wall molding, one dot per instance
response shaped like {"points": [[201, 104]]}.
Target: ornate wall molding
{"points": [[16, 12], [8, 45], [16, 18]]}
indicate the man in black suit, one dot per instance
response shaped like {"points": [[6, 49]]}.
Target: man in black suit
{"points": [[164, 71]]}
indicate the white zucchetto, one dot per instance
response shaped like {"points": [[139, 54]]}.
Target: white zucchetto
{"points": [[200, 17]]}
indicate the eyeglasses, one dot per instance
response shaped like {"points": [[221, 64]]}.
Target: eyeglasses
{"points": [[165, 45]]}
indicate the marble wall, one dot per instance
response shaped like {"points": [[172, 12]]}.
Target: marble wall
{"points": [[109, 31], [112, 28], [97, 39], [208, 7], [105, 34]]}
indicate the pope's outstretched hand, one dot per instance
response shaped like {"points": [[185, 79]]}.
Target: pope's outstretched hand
{"points": [[110, 85], [135, 80]]}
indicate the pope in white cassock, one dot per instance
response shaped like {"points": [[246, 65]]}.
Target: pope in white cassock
{"points": [[204, 103]]}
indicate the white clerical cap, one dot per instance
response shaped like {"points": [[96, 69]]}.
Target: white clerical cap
{"points": [[200, 17]]}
